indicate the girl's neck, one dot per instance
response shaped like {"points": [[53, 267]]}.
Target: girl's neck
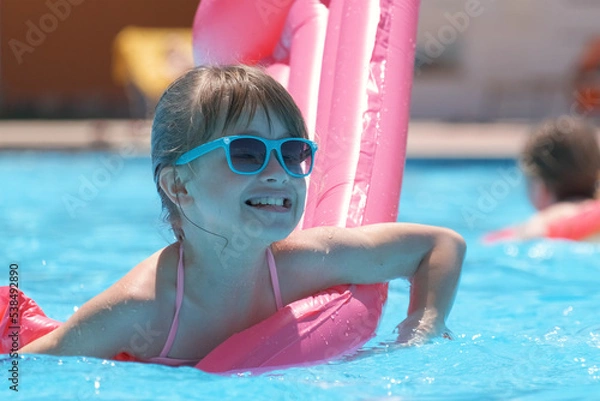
{"points": [[223, 261], [221, 278]]}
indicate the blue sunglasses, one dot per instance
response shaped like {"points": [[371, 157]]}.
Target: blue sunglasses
{"points": [[250, 154]]}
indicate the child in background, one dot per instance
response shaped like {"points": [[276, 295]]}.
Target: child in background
{"points": [[230, 150], [561, 163]]}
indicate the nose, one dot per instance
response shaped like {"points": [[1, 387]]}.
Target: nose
{"points": [[274, 171]]}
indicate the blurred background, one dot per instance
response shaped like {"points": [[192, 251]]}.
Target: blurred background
{"points": [[478, 61], [507, 59], [71, 59]]}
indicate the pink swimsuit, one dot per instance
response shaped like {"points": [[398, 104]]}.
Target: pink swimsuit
{"points": [[163, 358]]}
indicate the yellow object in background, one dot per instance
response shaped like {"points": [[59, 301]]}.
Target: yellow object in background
{"points": [[149, 59]]}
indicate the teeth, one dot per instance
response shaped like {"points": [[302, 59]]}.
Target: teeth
{"points": [[267, 201]]}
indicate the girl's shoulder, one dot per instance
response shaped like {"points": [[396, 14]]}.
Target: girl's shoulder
{"points": [[149, 289], [302, 246], [151, 282], [145, 298], [539, 224], [562, 210]]}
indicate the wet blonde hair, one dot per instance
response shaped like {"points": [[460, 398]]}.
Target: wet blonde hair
{"points": [[208, 98], [564, 154]]}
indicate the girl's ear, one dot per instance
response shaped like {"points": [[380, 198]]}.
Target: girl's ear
{"points": [[173, 187]]}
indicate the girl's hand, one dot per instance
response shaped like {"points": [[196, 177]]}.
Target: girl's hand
{"points": [[420, 327]]}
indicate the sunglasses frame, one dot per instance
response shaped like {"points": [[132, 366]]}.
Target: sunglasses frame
{"points": [[270, 145]]}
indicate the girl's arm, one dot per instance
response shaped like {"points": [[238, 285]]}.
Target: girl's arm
{"points": [[103, 327], [430, 257]]}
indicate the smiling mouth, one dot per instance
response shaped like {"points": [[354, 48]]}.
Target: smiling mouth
{"points": [[269, 202]]}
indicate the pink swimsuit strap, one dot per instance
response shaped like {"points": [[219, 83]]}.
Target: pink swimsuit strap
{"points": [[163, 358], [178, 301], [274, 278]]}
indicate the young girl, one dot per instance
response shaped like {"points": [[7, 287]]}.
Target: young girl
{"points": [[230, 154]]}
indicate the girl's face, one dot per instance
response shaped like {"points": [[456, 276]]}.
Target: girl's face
{"points": [[266, 206]]}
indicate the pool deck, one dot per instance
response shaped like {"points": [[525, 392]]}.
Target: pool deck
{"points": [[426, 139]]}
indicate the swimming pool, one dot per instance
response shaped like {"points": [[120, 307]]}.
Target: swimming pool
{"points": [[525, 318]]}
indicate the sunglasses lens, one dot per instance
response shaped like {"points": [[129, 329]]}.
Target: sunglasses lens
{"points": [[297, 156], [247, 154]]}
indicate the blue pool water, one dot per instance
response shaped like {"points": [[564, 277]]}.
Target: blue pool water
{"points": [[525, 319]]}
